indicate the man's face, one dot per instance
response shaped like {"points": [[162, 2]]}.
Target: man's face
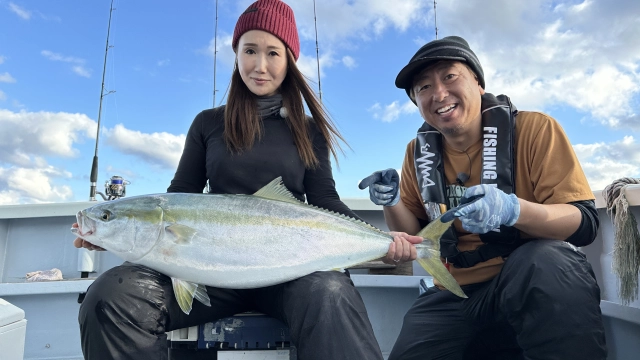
{"points": [[448, 96]]}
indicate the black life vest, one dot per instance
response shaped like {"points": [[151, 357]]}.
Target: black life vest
{"points": [[498, 169]]}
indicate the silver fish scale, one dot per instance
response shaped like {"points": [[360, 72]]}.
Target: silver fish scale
{"points": [[245, 241]]}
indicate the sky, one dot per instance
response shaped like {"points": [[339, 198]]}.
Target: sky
{"points": [[577, 61]]}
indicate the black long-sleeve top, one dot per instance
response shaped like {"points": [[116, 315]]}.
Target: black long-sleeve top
{"points": [[206, 157]]}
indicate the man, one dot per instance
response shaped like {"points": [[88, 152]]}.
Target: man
{"points": [[532, 295]]}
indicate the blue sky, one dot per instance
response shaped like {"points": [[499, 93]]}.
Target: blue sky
{"points": [[575, 60]]}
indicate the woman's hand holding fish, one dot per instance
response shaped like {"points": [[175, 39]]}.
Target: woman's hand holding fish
{"points": [[402, 249], [80, 243]]}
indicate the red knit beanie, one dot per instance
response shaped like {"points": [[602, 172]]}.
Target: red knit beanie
{"points": [[272, 16]]}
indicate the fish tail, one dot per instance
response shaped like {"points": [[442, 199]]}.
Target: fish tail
{"points": [[433, 265], [429, 256]]}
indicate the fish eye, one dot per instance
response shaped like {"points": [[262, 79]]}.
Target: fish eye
{"points": [[106, 215]]}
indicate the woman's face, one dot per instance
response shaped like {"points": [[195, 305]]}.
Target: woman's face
{"points": [[262, 62]]}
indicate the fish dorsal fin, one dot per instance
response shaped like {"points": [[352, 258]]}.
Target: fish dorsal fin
{"points": [[349, 218], [275, 190], [186, 291]]}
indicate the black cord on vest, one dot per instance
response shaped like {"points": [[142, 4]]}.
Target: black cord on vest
{"points": [[462, 177]]}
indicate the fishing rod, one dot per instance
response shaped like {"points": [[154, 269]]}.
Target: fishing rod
{"points": [[94, 166], [315, 23], [435, 18], [215, 54]]}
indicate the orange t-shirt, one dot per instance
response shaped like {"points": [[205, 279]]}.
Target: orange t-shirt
{"points": [[547, 171]]}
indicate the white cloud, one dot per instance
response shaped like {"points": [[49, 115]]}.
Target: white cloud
{"points": [[80, 70], [419, 41], [28, 178], [161, 149], [393, 111], [21, 12], [225, 52], [567, 55], [3, 96], [49, 17], [579, 7], [32, 185], [605, 162], [2, 59], [308, 65], [163, 62], [59, 57], [9, 197], [7, 78], [41, 134], [78, 66], [25, 175], [349, 62], [342, 20]]}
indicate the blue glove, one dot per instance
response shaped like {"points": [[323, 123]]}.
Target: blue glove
{"points": [[494, 209], [383, 187]]}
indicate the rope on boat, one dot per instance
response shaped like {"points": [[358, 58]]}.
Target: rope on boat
{"points": [[626, 246]]}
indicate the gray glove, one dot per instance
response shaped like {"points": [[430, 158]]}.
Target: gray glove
{"points": [[384, 187], [494, 209]]}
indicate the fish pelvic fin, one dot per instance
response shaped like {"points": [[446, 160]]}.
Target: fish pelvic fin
{"points": [[275, 190], [186, 291], [429, 255]]}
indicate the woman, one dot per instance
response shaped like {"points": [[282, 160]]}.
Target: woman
{"points": [[261, 133]]}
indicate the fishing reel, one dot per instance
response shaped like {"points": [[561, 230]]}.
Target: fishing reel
{"points": [[114, 188]]}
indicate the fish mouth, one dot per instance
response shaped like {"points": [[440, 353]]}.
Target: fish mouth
{"points": [[80, 234], [83, 230]]}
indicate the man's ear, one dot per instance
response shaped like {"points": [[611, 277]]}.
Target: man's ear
{"points": [[481, 89]]}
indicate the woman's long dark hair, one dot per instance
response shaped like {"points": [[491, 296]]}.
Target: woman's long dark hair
{"points": [[243, 125]]}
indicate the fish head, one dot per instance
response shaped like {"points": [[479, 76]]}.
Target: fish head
{"points": [[127, 227]]}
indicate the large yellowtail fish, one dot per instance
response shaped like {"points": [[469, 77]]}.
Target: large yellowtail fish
{"points": [[241, 241]]}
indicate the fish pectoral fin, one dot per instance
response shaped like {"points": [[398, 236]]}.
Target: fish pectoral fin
{"points": [[186, 291], [429, 259], [275, 190], [181, 234]]}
